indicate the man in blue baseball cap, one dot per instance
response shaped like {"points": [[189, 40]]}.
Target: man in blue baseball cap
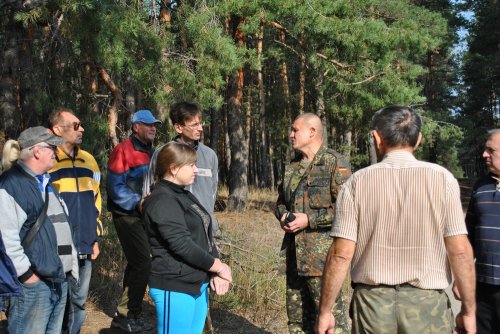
{"points": [[127, 164]]}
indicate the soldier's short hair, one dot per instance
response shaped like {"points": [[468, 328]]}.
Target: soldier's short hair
{"points": [[493, 132], [399, 125]]}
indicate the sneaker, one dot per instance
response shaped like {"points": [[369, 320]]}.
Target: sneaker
{"points": [[131, 325]]}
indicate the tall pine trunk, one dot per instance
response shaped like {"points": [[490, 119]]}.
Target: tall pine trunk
{"points": [[238, 183], [264, 179], [9, 81]]}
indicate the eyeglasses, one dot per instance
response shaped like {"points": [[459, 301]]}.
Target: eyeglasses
{"points": [[75, 125], [52, 147], [194, 126]]}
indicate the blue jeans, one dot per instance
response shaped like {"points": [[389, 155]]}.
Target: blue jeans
{"points": [[77, 291], [178, 312], [39, 309]]}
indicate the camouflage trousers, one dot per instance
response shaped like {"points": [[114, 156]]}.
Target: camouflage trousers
{"points": [[400, 309], [302, 303]]}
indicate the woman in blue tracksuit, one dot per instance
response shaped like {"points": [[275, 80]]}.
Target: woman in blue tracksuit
{"points": [[185, 259]]}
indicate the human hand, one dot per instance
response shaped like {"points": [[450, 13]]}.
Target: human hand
{"points": [[222, 270], [225, 273], [300, 222], [95, 251], [325, 324], [465, 323], [33, 279], [219, 285]]}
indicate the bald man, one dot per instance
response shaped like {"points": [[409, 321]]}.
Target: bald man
{"points": [[305, 209]]}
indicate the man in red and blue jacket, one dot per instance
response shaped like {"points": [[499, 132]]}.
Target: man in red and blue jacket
{"points": [[126, 167]]}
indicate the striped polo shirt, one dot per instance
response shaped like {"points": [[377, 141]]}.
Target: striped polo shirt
{"points": [[398, 212], [483, 224]]}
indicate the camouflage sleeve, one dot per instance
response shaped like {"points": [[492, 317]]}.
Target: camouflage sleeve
{"points": [[280, 208], [323, 217], [340, 174]]}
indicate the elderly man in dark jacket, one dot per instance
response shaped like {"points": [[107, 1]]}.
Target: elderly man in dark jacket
{"points": [[41, 249]]}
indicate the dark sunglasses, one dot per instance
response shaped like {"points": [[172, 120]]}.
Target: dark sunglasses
{"points": [[75, 125]]}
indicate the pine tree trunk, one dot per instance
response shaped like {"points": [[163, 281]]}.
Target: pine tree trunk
{"points": [[302, 79], [250, 136], [113, 108], [347, 144], [9, 81], [238, 183], [264, 164], [214, 129], [320, 104], [129, 93]]}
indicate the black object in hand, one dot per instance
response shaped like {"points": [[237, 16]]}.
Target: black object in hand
{"points": [[290, 217]]}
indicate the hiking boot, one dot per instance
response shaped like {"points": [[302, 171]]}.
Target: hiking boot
{"points": [[131, 325]]}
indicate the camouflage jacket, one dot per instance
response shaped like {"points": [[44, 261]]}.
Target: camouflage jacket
{"points": [[315, 195]]}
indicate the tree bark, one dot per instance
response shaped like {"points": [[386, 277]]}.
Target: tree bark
{"points": [[302, 78], [238, 183], [320, 104], [9, 81], [113, 108], [264, 180]]}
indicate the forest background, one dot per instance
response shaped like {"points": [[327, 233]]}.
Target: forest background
{"points": [[253, 65]]}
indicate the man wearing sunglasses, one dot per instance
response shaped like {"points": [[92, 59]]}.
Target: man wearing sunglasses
{"points": [[127, 165], [37, 236], [77, 177]]}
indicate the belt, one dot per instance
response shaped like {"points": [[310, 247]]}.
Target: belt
{"points": [[84, 256], [395, 287]]}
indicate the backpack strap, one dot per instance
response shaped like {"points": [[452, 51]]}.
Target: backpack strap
{"points": [[41, 219]]}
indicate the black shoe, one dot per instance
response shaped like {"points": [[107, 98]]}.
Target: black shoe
{"points": [[131, 325]]}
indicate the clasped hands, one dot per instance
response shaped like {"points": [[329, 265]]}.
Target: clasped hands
{"points": [[221, 279]]}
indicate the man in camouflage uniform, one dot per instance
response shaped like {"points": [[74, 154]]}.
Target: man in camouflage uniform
{"points": [[308, 191], [399, 229]]}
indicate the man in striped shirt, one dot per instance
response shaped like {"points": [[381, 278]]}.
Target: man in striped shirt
{"points": [[483, 224], [399, 224], [76, 177]]}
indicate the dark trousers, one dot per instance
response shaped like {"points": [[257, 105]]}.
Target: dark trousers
{"points": [[132, 234], [488, 308]]}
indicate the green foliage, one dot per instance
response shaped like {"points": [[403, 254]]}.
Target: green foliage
{"points": [[440, 143], [480, 102], [360, 55]]}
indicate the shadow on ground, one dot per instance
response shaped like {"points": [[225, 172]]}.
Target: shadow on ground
{"points": [[225, 322]]}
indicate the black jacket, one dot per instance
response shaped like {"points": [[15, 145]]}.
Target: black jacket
{"points": [[182, 245]]}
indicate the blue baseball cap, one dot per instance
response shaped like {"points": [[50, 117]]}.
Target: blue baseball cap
{"points": [[144, 116]]}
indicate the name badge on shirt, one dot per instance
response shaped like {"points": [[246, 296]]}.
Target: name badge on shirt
{"points": [[204, 172]]}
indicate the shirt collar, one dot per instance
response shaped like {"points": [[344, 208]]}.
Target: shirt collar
{"points": [[399, 155]]}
